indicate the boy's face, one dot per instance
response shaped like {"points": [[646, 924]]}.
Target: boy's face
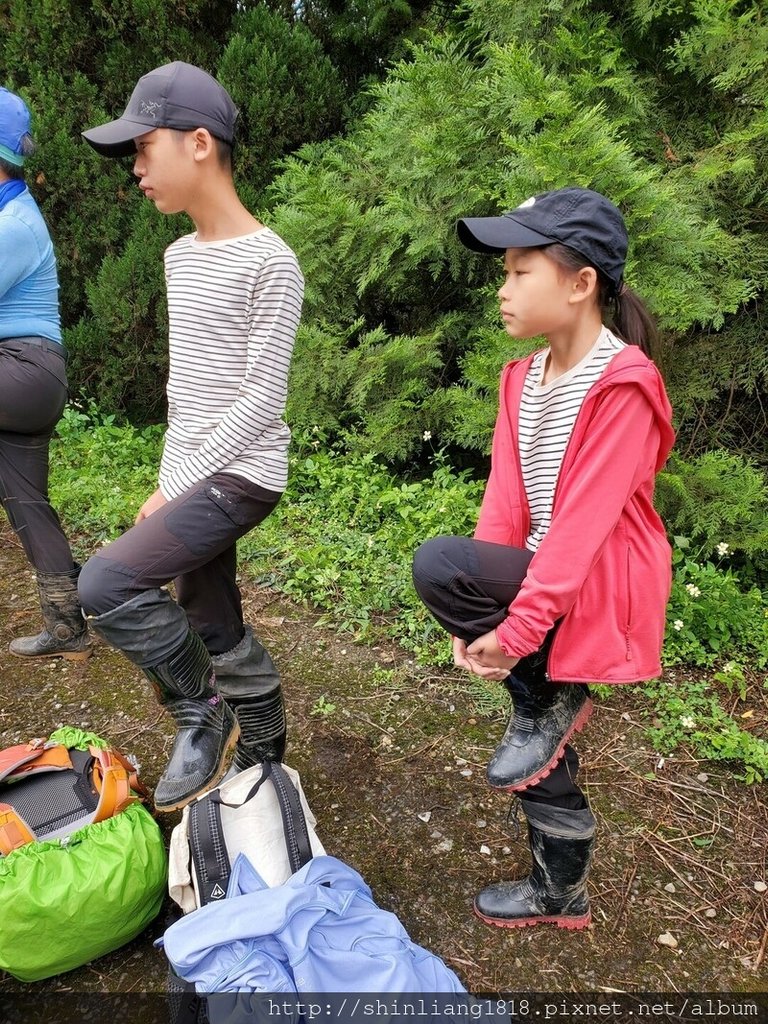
{"points": [[166, 167]]}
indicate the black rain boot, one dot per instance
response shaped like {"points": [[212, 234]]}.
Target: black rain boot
{"points": [[544, 717], [65, 633], [185, 685], [153, 632], [555, 892], [249, 682]]}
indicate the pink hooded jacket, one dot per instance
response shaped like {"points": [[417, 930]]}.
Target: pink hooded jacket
{"points": [[604, 566]]}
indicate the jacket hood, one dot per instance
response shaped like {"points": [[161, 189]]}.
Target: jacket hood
{"points": [[631, 366]]}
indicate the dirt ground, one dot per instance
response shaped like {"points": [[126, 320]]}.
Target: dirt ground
{"points": [[392, 760]]}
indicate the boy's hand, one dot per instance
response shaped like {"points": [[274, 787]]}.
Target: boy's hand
{"points": [[152, 504], [483, 657]]}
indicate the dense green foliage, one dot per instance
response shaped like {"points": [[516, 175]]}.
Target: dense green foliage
{"points": [[415, 113], [343, 537], [517, 98]]}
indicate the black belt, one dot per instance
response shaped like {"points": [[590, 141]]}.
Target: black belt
{"points": [[44, 343]]}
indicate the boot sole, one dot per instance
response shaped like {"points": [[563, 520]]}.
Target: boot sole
{"points": [[570, 923], [221, 771], [578, 724], [67, 655]]}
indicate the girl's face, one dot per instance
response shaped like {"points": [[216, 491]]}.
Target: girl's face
{"points": [[538, 296]]}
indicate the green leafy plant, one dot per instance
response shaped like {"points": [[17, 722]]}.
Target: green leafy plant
{"points": [[709, 616], [322, 707], [346, 531], [101, 471], [691, 712]]}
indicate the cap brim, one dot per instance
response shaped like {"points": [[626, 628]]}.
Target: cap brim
{"points": [[116, 138], [496, 234]]}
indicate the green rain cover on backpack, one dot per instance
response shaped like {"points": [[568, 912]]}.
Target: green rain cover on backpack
{"points": [[66, 902]]}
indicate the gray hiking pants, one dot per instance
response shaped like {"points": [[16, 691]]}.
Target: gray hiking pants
{"points": [[33, 393], [192, 541]]}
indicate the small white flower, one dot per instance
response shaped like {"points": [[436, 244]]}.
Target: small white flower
{"points": [[678, 624], [427, 435], [722, 549], [693, 590], [687, 721]]}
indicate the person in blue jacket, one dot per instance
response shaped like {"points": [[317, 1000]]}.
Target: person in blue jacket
{"points": [[33, 393]]}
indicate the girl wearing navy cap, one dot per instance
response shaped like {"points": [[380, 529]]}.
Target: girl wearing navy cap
{"points": [[33, 393], [567, 577]]}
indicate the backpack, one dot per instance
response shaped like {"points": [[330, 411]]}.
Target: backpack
{"points": [[276, 915], [82, 861], [270, 824], [49, 790]]}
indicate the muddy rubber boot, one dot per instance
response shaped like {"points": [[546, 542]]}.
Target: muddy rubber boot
{"points": [[555, 892], [248, 681], [544, 717], [185, 685], [65, 632], [153, 632]]}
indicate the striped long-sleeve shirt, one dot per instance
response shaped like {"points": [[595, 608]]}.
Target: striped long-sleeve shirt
{"points": [[547, 415], [233, 311]]}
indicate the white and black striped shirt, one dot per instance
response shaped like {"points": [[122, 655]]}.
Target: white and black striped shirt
{"points": [[233, 311], [547, 415]]}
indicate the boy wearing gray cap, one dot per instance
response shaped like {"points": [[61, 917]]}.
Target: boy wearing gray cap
{"points": [[234, 299]]}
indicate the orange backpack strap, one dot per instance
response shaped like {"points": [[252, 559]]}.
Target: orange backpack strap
{"points": [[35, 756], [14, 831], [133, 778], [112, 783]]}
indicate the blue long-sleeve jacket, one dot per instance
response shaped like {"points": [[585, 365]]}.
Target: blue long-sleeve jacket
{"points": [[29, 284]]}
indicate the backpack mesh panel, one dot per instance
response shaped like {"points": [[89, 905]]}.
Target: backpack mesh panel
{"points": [[51, 800]]}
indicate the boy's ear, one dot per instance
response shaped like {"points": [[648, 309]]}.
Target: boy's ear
{"points": [[584, 284], [203, 145]]}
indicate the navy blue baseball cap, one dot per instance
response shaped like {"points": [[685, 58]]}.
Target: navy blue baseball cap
{"points": [[14, 127], [176, 95], [583, 220]]}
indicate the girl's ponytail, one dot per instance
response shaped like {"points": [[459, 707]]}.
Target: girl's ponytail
{"points": [[624, 310], [632, 321]]}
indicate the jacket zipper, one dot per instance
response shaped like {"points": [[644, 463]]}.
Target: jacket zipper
{"points": [[629, 604]]}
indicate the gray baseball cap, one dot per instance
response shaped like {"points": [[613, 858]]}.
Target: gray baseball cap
{"points": [[176, 95]]}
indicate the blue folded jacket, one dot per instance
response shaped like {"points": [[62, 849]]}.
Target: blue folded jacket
{"points": [[320, 931]]}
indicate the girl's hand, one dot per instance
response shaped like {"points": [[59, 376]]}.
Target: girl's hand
{"points": [[152, 504], [460, 655], [483, 657], [487, 659]]}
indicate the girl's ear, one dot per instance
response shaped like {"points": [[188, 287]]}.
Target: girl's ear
{"points": [[584, 284]]}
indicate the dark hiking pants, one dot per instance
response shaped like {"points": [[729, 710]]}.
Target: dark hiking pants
{"points": [[192, 541], [468, 586], [33, 393]]}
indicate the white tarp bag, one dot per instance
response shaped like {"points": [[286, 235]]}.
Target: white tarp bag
{"points": [[258, 813]]}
